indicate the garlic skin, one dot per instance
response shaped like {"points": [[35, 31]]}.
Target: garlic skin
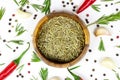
{"points": [[23, 14], [108, 63], [55, 78], [101, 31]]}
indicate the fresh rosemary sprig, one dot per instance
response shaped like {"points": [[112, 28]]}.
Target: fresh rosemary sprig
{"points": [[19, 29], [2, 12], [107, 19], [33, 78], [101, 45], [8, 46], [37, 7], [46, 8], [76, 77], [74, 67], [35, 58], [20, 68], [19, 42], [117, 75], [44, 73], [21, 3], [96, 7]]}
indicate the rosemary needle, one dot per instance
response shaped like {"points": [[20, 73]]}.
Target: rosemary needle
{"points": [[96, 7], [2, 11]]}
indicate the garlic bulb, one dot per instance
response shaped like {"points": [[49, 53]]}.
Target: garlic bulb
{"points": [[108, 63], [55, 78], [23, 14], [101, 31]]}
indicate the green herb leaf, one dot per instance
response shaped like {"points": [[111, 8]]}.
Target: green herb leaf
{"points": [[34, 78], [2, 64], [8, 46], [35, 58], [118, 46], [16, 2], [117, 2], [20, 68], [19, 29], [106, 19], [46, 8], [44, 73], [76, 77], [19, 42], [2, 12], [96, 7], [23, 2], [117, 75], [37, 7], [74, 67], [101, 45], [68, 78]]}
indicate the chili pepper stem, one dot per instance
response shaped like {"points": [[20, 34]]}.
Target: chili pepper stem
{"points": [[19, 58], [12, 66]]}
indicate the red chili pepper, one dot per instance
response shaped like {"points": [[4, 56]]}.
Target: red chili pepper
{"points": [[85, 5], [12, 66]]}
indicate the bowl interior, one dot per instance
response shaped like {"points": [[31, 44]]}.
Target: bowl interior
{"points": [[38, 28]]}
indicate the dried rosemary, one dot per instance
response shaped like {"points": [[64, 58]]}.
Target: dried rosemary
{"points": [[61, 39]]}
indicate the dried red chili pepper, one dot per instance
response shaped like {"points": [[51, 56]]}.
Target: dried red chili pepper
{"points": [[86, 4], [12, 66]]}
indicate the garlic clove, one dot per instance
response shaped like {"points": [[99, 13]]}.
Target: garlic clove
{"points": [[55, 78], [108, 63], [23, 14], [101, 31]]}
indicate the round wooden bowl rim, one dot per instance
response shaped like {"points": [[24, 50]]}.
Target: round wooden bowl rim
{"points": [[74, 17]]}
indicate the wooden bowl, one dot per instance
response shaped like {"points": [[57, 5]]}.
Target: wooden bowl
{"points": [[64, 14]]}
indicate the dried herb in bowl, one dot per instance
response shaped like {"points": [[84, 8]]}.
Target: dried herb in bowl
{"points": [[61, 39]]}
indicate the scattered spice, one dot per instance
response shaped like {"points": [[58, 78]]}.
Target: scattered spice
{"points": [[87, 21], [9, 31]]}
